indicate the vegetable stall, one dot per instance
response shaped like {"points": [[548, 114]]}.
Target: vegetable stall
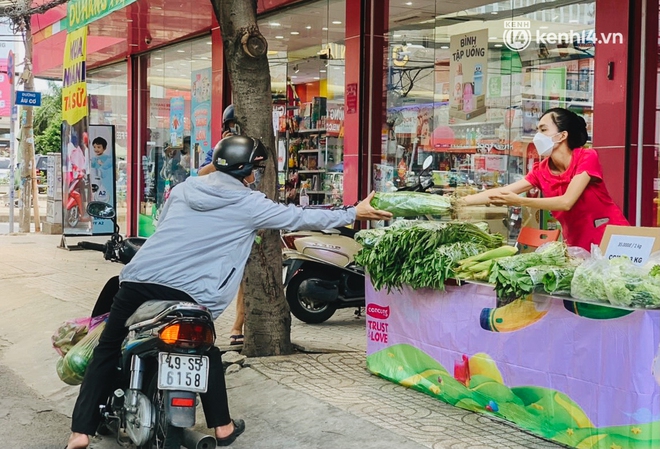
{"points": [[561, 342]]}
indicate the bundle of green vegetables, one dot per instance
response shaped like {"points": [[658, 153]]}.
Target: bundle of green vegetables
{"points": [[412, 204], [413, 253], [510, 275], [556, 280], [617, 281], [478, 267]]}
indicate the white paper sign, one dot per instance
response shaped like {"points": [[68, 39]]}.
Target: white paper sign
{"points": [[638, 249]]}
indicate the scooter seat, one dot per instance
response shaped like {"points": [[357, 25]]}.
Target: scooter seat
{"points": [[151, 309]]}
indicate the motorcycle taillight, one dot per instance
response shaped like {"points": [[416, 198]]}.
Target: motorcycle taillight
{"points": [[290, 239], [187, 334]]}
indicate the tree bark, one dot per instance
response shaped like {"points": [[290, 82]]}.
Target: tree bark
{"points": [[267, 317]]}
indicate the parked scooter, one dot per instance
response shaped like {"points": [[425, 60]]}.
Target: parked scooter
{"points": [[319, 271], [320, 275], [163, 366], [74, 203]]}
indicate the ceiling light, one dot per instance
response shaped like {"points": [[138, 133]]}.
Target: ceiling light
{"points": [[409, 3], [294, 76], [493, 38], [158, 58], [159, 70], [279, 37], [180, 51], [309, 27], [396, 35], [209, 43], [317, 78], [320, 71], [494, 13], [295, 33], [169, 67], [325, 28], [498, 45], [336, 22], [444, 47], [573, 21], [274, 24], [117, 70]]}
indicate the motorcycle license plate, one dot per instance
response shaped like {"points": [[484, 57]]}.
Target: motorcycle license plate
{"points": [[183, 372]]}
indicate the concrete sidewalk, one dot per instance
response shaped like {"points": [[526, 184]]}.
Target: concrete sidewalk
{"points": [[321, 399]]}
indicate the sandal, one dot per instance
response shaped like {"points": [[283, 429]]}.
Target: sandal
{"points": [[236, 339], [239, 428]]}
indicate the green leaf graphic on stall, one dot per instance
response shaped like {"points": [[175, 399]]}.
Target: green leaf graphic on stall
{"points": [[546, 412]]}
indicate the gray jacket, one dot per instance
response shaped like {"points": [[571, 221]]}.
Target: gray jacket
{"points": [[205, 234]]}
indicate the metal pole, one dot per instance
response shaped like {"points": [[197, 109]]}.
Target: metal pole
{"points": [[640, 123], [12, 154]]}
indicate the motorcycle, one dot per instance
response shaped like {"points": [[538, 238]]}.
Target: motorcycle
{"points": [[320, 275], [74, 203], [163, 366], [319, 271]]}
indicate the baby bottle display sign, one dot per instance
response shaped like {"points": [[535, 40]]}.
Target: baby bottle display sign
{"points": [[468, 68]]}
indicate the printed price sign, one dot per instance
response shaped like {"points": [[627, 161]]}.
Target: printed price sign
{"points": [[636, 248]]}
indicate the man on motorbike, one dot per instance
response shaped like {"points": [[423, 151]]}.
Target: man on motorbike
{"points": [[198, 253]]}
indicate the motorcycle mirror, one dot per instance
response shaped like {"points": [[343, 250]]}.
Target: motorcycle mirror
{"points": [[98, 209], [427, 162]]}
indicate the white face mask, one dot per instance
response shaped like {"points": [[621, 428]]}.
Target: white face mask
{"points": [[544, 144]]}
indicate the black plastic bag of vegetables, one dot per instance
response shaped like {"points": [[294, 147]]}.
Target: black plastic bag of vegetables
{"points": [[412, 204], [71, 368]]}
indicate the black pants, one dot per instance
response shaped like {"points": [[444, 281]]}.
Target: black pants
{"points": [[101, 372]]}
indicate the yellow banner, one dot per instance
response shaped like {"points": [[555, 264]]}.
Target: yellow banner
{"points": [[74, 85]]}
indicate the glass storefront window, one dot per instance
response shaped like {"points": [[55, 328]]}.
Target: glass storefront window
{"points": [[178, 124], [108, 106], [306, 55], [460, 88]]}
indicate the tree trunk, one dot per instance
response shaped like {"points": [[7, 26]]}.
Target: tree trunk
{"points": [[267, 317]]}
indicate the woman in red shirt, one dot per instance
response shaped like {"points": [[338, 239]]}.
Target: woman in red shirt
{"points": [[571, 180]]}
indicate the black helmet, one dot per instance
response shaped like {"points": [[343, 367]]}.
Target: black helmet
{"points": [[238, 155], [228, 115]]}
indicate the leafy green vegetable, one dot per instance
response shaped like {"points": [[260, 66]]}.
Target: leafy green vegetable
{"points": [[412, 204], [421, 254], [617, 281], [510, 275]]}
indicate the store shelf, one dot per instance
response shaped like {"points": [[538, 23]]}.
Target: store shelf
{"points": [[310, 171], [474, 124], [309, 131]]}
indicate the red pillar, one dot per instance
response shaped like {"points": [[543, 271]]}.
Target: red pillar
{"points": [[611, 97], [364, 94], [138, 97], [221, 91], [646, 97]]}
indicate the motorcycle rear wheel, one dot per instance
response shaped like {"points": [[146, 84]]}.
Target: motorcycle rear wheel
{"points": [[165, 435], [72, 217], [302, 308]]}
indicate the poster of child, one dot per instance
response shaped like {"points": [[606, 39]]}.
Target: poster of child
{"points": [[102, 164]]}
